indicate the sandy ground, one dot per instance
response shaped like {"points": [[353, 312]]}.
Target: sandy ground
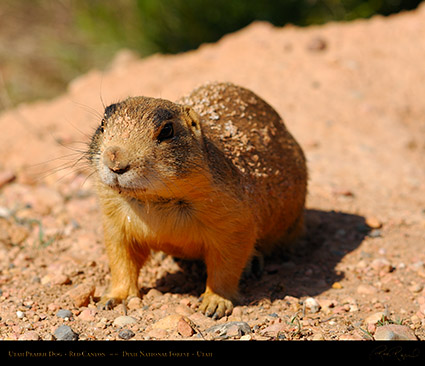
{"points": [[352, 94]]}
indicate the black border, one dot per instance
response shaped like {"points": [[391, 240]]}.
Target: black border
{"points": [[376, 352]]}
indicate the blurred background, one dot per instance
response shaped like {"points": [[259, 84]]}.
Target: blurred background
{"points": [[44, 43]]}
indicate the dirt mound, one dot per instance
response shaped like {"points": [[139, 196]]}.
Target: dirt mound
{"points": [[351, 93]]}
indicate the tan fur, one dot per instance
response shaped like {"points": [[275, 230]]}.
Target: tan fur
{"points": [[229, 183]]}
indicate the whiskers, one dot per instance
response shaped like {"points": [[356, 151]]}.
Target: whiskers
{"points": [[73, 164], [76, 162]]}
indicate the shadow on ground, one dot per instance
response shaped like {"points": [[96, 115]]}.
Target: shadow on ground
{"points": [[307, 270]]}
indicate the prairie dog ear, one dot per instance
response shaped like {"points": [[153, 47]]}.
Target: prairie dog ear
{"points": [[192, 120]]}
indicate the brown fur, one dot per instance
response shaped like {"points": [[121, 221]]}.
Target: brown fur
{"points": [[229, 182]]}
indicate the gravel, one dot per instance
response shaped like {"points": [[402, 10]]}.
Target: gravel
{"points": [[64, 314], [65, 333]]}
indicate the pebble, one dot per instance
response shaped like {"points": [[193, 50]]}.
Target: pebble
{"points": [[53, 307], [134, 303], [63, 313], [373, 222], [157, 334], [126, 334], [392, 332], [153, 294], [29, 336], [65, 333], [246, 337], [374, 318], [169, 322], [375, 233], [184, 327], [124, 320], [274, 329], [237, 313], [230, 329], [416, 287], [4, 212], [183, 310], [366, 290], [55, 279], [87, 315], [81, 294], [327, 303], [201, 320], [317, 44], [312, 304], [318, 337], [20, 314], [382, 264]]}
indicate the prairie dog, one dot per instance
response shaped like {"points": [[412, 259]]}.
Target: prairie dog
{"points": [[215, 176]]}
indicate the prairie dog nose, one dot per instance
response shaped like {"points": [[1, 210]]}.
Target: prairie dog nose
{"points": [[116, 159]]}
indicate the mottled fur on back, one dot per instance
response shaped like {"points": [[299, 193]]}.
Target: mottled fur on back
{"points": [[269, 162]]}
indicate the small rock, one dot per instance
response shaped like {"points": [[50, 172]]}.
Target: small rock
{"points": [[350, 337], [29, 336], [375, 233], [65, 333], [184, 328], [153, 294], [344, 192], [230, 329], [246, 337], [375, 318], [416, 321], [4, 212], [134, 303], [312, 304], [126, 334], [201, 320], [60, 279], [327, 303], [157, 333], [366, 290], [416, 287], [169, 322], [183, 310], [237, 313], [274, 329], [87, 315], [337, 285], [81, 294], [381, 264], [20, 314], [317, 44], [373, 222], [353, 308], [392, 332], [53, 307], [124, 320], [318, 337], [63, 313]]}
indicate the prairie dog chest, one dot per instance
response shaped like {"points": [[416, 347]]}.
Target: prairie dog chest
{"points": [[162, 215], [169, 225]]}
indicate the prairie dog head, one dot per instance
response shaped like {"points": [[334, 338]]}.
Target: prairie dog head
{"points": [[146, 146]]}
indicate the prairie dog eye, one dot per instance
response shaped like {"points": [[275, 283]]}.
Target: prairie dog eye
{"points": [[167, 132]]}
